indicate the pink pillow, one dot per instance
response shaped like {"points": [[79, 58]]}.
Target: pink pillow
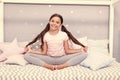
{"points": [[10, 49]]}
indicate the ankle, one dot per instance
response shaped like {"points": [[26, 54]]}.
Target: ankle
{"points": [[62, 66], [48, 66], [55, 67]]}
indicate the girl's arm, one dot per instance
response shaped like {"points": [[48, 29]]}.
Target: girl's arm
{"points": [[44, 51], [69, 51]]}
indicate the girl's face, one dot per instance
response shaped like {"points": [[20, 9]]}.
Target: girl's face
{"points": [[55, 23]]}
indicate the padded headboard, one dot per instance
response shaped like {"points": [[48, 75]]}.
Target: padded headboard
{"points": [[25, 21]]}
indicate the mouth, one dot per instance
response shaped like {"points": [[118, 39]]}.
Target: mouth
{"points": [[53, 27]]}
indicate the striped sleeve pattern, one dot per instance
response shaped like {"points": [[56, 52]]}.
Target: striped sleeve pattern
{"points": [[32, 72]]}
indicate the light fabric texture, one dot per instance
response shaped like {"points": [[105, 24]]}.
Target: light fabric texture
{"points": [[98, 46], [10, 49], [103, 43], [94, 46], [55, 43], [97, 53], [96, 61], [32, 72], [23, 44], [16, 60]]}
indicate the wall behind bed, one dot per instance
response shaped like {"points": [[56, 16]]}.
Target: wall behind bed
{"points": [[25, 21]]}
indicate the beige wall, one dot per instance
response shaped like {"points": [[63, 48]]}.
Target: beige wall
{"points": [[30, 19]]}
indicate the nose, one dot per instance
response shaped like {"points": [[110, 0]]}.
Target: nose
{"points": [[54, 23]]}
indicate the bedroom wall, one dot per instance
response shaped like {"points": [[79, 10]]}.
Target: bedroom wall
{"points": [[117, 32], [25, 21], [93, 22]]}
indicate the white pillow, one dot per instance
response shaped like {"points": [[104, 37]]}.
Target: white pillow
{"points": [[95, 46], [16, 59], [82, 40], [9, 49], [98, 50], [96, 61], [103, 43], [23, 44]]}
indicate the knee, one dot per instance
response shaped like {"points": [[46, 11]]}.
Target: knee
{"points": [[26, 56], [84, 55]]}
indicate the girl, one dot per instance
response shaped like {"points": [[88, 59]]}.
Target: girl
{"points": [[55, 52]]}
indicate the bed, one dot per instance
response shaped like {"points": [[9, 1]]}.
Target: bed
{"points": [[32, 72], [98, 67]]}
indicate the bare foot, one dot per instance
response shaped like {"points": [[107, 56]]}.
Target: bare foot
{"points": [[49, 66], [61, 66], [55, 67]]}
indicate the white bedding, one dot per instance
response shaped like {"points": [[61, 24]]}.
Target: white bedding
{"points": [[18, 70], [32, 72]]}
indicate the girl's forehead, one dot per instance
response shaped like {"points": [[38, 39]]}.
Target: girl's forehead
{"points": [[55, 17]]}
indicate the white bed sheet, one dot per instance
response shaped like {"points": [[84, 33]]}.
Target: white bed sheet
{"points": [[32, 72]]}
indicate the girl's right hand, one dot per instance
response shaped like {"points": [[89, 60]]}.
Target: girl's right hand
{"points": [[26, 49]]}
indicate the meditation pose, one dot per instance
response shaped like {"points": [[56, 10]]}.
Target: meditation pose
{"points": [[55, 52]]}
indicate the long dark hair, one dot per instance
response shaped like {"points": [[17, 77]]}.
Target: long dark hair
{"points": [[46, 29]]}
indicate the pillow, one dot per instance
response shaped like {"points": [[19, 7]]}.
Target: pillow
{"points": [[16, 59], [23, 44], [103, 43], [10, 49], [97, 50], [96, 46], [96, 61], [83, 40]]}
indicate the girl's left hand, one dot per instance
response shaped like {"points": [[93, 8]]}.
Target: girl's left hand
{"points": [[85, 49]]}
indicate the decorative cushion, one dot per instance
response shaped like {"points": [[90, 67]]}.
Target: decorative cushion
{"points": [[16, 59], [96, 61], [98, 46], [10, 49]]}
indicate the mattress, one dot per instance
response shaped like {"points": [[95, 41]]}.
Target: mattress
{"points": [[33, 72]]}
